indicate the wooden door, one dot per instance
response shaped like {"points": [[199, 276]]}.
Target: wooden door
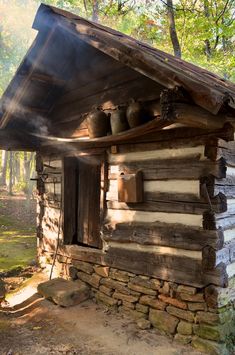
{"points": [[88, 221], [70, 182]]}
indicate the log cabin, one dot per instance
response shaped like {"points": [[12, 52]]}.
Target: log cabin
{"points": [[135, 174]]}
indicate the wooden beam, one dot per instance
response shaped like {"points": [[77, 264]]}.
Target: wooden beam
{"points": [[196, 116], [48, 79], [211, 258], [177, 235], [174, 168], [168, 206]]}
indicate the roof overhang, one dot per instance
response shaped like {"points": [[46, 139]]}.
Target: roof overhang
{"points": [[42, 76]]}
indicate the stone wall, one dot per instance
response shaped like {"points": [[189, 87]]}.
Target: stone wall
{"points": [[200, 317]]}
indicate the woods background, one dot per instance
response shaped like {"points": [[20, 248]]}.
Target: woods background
{"points": [[199, 31], [16, 170]]}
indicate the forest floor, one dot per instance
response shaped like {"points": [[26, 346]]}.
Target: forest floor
{"points": [[30, 324], [17, 233], [37, 326]]}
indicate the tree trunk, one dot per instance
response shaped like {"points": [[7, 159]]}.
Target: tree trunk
{"points": [[172, 28], [4, 168], [11, 174], [16, 167], [207, 42], [27, 165], [95, 11]]}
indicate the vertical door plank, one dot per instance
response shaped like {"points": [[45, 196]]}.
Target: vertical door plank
{"points": [[89, 201], [70, 180]]}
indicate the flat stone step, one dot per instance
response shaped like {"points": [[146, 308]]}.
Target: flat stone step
{"points": [[64, 293]]}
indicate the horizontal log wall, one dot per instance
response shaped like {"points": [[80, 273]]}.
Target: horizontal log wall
{"points": [[49, 215], [176, 233], [176, 211]]}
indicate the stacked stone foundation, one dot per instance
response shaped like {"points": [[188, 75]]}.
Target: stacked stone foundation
{"points": [[204, 318]]}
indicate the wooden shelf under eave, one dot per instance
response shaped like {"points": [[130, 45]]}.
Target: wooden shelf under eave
{"points": [[154, 125]]}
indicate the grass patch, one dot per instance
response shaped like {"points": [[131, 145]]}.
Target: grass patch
{"points": [[17, 244]]}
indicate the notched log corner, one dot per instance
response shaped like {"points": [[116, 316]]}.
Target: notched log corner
{"points": [[168, 99], [216, 202]]}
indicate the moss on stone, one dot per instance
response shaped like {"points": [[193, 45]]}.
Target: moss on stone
{"points": [[17, 245]]}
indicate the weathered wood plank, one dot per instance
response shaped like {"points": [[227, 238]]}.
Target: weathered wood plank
{"points": [[212, 258], [88, 222], [212, 222], [98, 85], [129, 216], [215, 186], [70, 199], [218, 276], [140, 88], [145, 264], [174, 169], [196, 153], [175, 235], [168, 206], [172, 136], [196, 116], [183, 270], [170, 186]]}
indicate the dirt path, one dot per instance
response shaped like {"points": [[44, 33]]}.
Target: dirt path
{"points": [[39, 327]]}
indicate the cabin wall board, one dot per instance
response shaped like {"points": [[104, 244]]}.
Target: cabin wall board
{"points": [[175, 222]]}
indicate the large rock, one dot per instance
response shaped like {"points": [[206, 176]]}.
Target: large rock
{"points": [[108, 301], [173, 301], [152, 302], [83, 266], [102, 271], [211, 332], [209, 347], [195, 306], [186, 289], [119, 275], [180, 313], [142, 308], [163, 321], [93, 280], [106, 290], [118, 285], [64, 293], [208, 318], [141, 289], [127, 298], [183, 339], [132, 312], [185, 328], [198, 297]]}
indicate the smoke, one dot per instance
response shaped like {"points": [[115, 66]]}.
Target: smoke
{"points": [[16, 36]]}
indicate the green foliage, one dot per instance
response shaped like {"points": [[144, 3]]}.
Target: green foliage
{"points": [[17, 245], [21, 186], [197, 22]]}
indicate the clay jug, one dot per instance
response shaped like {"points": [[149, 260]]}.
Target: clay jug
{"points": [[134, 114], [98, 123], [118, 121]]}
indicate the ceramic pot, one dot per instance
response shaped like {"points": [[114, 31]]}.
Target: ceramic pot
{"points": [[118, 121], [134, 114], [98, 124]]}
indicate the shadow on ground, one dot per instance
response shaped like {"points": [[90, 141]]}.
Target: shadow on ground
{"points": [[32, 325]]}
